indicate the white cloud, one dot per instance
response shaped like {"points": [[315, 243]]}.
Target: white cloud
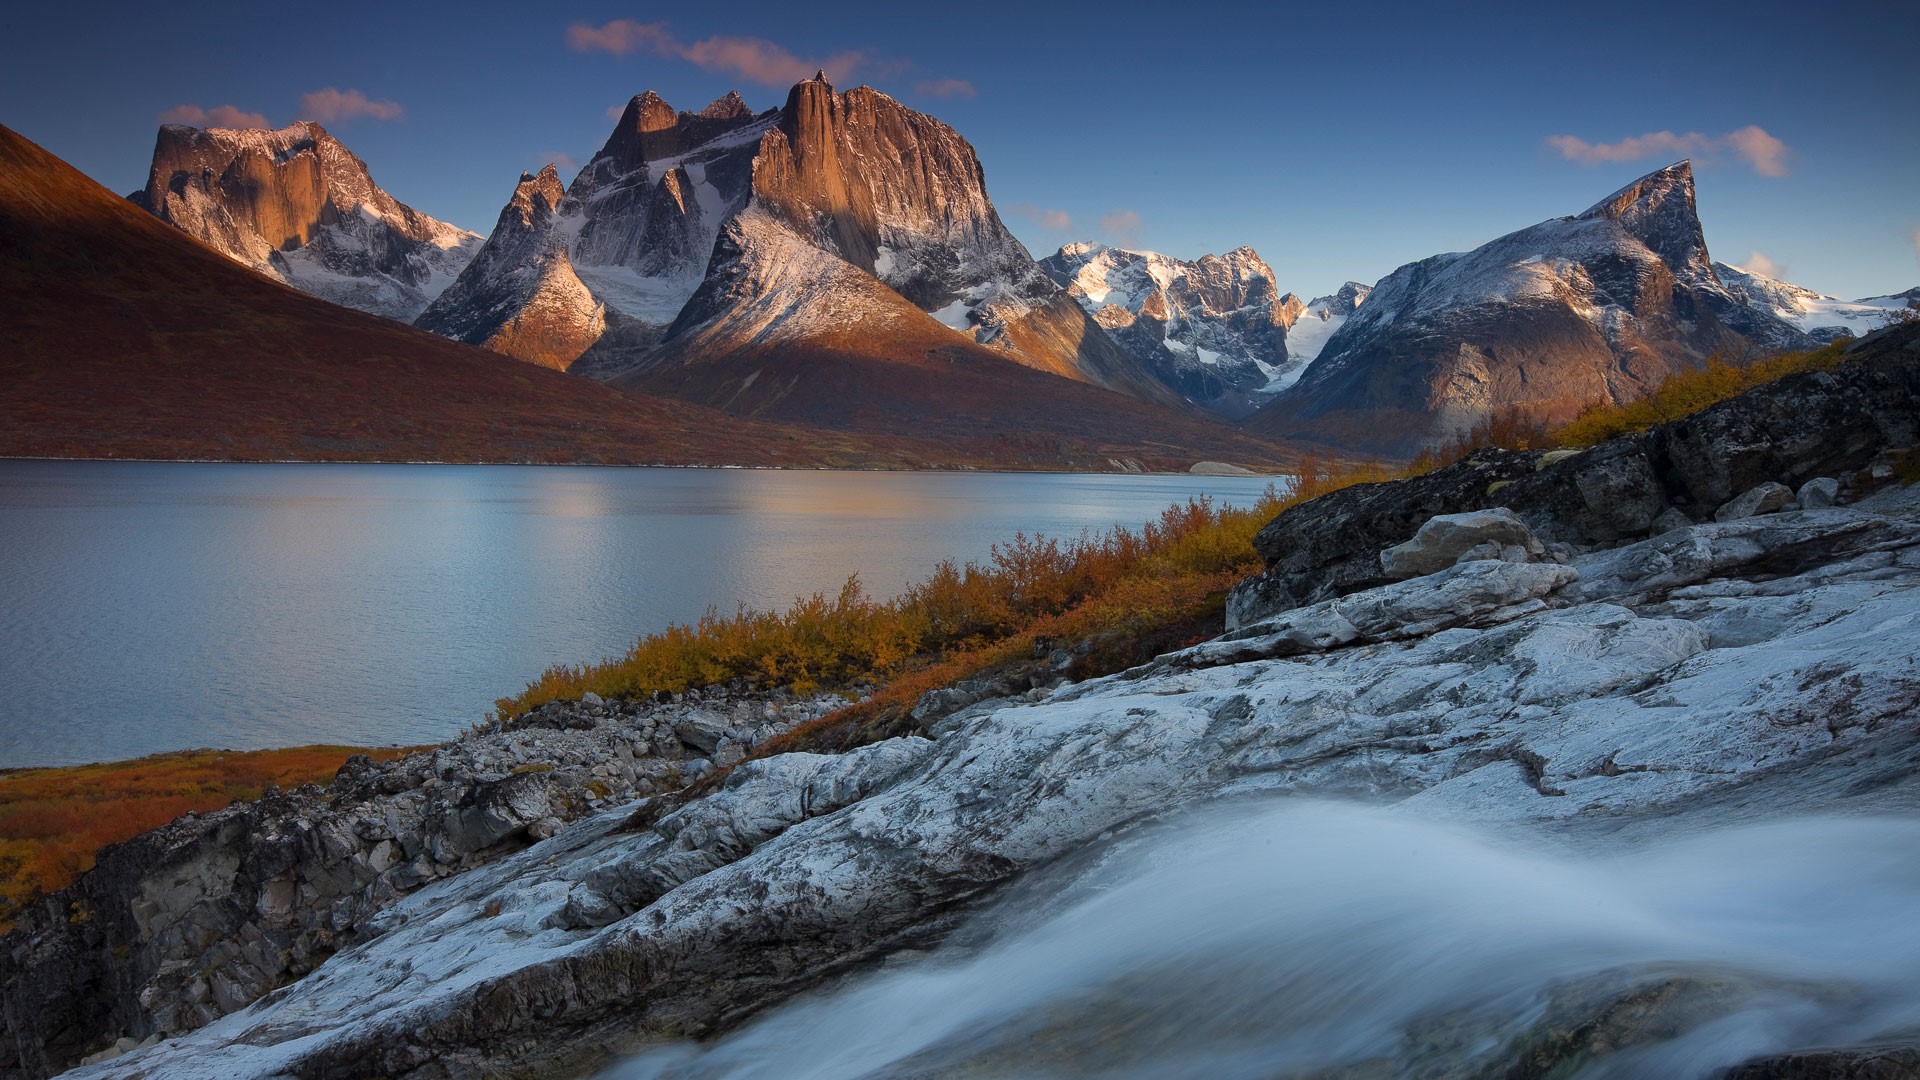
{"points": [[1121, 225], [946, 88], [754, 59], [1753, 144], [1051, 220], [335, 106], [1759, 263], [222, 116]]}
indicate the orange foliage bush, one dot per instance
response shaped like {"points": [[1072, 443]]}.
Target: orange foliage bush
{"points": [[53, 821]]}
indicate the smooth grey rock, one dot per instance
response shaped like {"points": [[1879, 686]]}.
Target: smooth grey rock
{"points": [[1768, 498], [1445, 538], [1670, 519], [1821, 491], [591, 698], [1490, 692]]}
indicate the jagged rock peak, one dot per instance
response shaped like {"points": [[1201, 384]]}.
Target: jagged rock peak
{"points": [[1659, 210], [730, 107], [1344, 300], [534, 200], [649, 129]]}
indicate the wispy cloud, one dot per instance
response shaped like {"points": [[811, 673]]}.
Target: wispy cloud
{"points": [[946, 88], [335, 106], [1753, 144], [1121, 225], [1760, 263], [223, 116], [562, 160], [615, 112], [1916, 243], [1051, 220], [1766, 154], [753, 59]]}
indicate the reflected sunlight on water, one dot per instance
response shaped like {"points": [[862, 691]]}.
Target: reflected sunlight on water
{"points": [[155, 606]]}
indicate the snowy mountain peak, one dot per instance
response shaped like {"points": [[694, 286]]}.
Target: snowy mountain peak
{"points": [[1597, 306], [534, 201], [1215, 328], [730, 107], [1815, 314], [297, 205], [1659, 210]]}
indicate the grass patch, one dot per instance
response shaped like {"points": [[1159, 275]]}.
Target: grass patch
{"points": [[53, 821]]}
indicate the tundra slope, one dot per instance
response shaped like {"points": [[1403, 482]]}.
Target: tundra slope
{"points": [[1749, 668], [298, 206], [1598, 306]]}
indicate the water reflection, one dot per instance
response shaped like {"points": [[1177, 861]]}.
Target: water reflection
{"points": [[150, 606]]}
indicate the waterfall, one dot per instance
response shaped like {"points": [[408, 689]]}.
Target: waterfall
{"points": [[1294, 938]]}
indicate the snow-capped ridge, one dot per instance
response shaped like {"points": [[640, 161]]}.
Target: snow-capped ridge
{"points": [[1816, 314], [294, 203], [1596, 306]]}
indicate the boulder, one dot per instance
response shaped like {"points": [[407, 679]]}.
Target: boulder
{"points": [[1821, 491], [1767, 498], [1444, 539]]}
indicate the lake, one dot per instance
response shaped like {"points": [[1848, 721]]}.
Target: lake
{"points": [[161, 606]]}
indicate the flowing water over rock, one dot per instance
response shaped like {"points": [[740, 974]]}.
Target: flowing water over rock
{"points": [[1298, 938]]}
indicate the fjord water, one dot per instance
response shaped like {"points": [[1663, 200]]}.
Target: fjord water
{"points": [[1317, 939], [159, 606]]}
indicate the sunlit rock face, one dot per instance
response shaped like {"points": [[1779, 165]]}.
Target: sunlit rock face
{"points": [[1596, 307], [297, 205], [1214, 329], [894, 194], [521, 296]]}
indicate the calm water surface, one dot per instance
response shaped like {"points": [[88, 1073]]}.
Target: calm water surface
{"points": [[150, 607]]}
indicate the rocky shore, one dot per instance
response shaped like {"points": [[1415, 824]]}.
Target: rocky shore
{"points": [[1634, 642]]}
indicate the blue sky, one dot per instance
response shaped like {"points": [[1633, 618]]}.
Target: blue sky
{"points": [[1338, 142]]}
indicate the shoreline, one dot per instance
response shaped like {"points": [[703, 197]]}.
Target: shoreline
{"points": [[1249, 474]]}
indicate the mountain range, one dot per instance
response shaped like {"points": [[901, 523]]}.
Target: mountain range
{"points": [[836, 265], [121, 337]]}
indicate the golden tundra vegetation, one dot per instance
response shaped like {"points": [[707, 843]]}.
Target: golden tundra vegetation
{"points": [[1113, 599]]}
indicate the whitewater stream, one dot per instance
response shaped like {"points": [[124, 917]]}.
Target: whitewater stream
{"points": [[1330, 940]]}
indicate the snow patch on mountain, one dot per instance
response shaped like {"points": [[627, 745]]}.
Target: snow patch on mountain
{"points": [[297, 205], [1815, 314], [1216, 328]]}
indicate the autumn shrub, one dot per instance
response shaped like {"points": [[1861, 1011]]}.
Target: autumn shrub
{"points": [[1684, 393], [855, 639]]}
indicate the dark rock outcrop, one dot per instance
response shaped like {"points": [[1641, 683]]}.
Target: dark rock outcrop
{"points": [[202, 917], [1818, 424]]}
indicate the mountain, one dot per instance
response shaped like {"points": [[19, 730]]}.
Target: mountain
{"points": [[296, 205], [1214, 329], [1817, 315], [784, 330], [124, 338], [893, 193], [1323, 316], [1601, 305]]}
